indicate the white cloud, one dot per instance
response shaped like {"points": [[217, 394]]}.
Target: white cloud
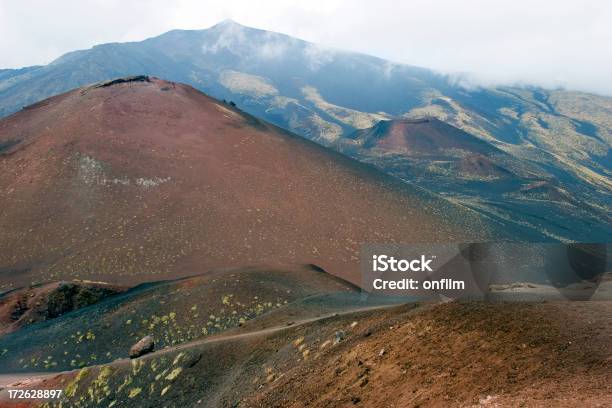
{"points": [[318, 56], [231, 38], [274, 46], [549, 43]]}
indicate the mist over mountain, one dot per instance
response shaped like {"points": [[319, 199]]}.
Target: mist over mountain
{"points": [[557, 137]]}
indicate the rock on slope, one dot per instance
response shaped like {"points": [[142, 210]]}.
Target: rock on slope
{"points": [[172, 313]]}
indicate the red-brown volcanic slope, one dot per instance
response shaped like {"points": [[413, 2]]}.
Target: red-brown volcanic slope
{"points": [[32, 304], [427, 136], [147, 180], [480, 165]]}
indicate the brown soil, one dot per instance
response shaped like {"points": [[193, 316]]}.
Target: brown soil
{"points": [[25, 306], [447, 355], [462, 355]]}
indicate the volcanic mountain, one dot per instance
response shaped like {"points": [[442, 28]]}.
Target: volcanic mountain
{"points": [[431, 141], [425, 137], [476, 172], [138, 178], [428, 147], [326, 95]]}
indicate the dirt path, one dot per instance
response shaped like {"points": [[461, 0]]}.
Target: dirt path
{"points": [[22, 380], [459, 354]]}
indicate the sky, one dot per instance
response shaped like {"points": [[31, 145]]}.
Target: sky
{"points": [[486, 42]]}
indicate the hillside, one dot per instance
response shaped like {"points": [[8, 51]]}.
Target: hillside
{"points": [[172, 312], [451, 355], [140, 179]]}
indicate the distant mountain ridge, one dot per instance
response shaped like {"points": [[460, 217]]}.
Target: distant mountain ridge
{"points": [[326, 95]]}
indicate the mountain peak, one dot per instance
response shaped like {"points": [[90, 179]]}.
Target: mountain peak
{"points": [[121, 80], [228, 22], [423, 135]]}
